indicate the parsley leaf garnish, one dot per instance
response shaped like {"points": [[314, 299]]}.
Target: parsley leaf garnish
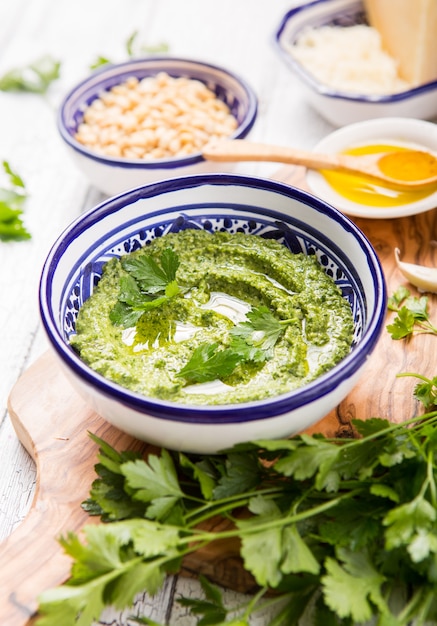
{"points": [[35, 78], [209, 363], [262, 330], [412, 315], [253, 340], [152, 277], [139, 287], [12, 199]]}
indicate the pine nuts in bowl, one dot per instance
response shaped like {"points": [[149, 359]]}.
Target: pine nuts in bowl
{"points": [[148, 119]]}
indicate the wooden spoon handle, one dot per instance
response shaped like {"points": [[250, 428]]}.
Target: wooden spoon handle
{"points": [[242, 150]]}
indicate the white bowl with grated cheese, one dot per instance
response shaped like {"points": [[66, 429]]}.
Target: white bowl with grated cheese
{"points": [[346, 74]]}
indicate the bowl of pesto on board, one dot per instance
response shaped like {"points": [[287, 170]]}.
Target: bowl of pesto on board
{"points": [[204, 311]]}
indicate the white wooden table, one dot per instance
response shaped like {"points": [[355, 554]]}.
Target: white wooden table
{"points": [[234, 33]]}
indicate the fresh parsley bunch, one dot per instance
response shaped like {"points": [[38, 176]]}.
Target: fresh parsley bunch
{"points": [[342, 531]]}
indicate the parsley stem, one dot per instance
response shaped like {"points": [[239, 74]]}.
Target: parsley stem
{"points": [[425, 329], [414, 375], [273, 523], [225, 504], [416, 423], [431, 479], [253, 602], [421, 600]]}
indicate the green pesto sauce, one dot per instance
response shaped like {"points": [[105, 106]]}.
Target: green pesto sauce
{"points": [[236, 271]]}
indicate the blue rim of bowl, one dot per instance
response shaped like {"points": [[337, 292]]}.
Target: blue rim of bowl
{"points": [[115, 73], [325, 90], [223, 414]]}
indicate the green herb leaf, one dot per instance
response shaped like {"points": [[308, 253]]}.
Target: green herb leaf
{"points": [[317, 457], [262, 548], [253, 340], [130, 292], [412, 315], [99, 62], [395, 300], [138, 288], [241, 474], [425, 391], [212, 609], [261, 331], [35, 78], [154, 483], [208, 363], [350, 588], [246, 351], [202, 473], [407, 520], [403, 324], [124, 315], [109, 496], [14, 178], [12, 200], [152, 277]]}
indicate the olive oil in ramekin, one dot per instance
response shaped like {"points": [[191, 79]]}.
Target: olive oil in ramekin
{"points": [[367, 191]]}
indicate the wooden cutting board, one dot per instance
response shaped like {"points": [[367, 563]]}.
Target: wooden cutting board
{"points": [[52, 422]]}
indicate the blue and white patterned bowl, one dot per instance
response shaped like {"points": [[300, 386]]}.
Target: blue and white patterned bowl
{"points": [[114, 175], [341, 108], [211, 202]]}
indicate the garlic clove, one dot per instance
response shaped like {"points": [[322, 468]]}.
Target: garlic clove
{"points": [[422, 277]]}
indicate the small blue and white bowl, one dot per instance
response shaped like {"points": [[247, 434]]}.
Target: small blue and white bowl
{"points": [[211, 202], [336, 106], [113, 175]]}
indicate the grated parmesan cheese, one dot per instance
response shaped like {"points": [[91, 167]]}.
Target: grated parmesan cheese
{"points": [[349, 59]]}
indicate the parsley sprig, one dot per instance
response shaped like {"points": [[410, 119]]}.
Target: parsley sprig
{"points": [[261, 331], [208, 363], [12, 200], [35, 77], [251, 341], [331, 525], [425, 391], [147, 285], [413, 318], [412, 315]]}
